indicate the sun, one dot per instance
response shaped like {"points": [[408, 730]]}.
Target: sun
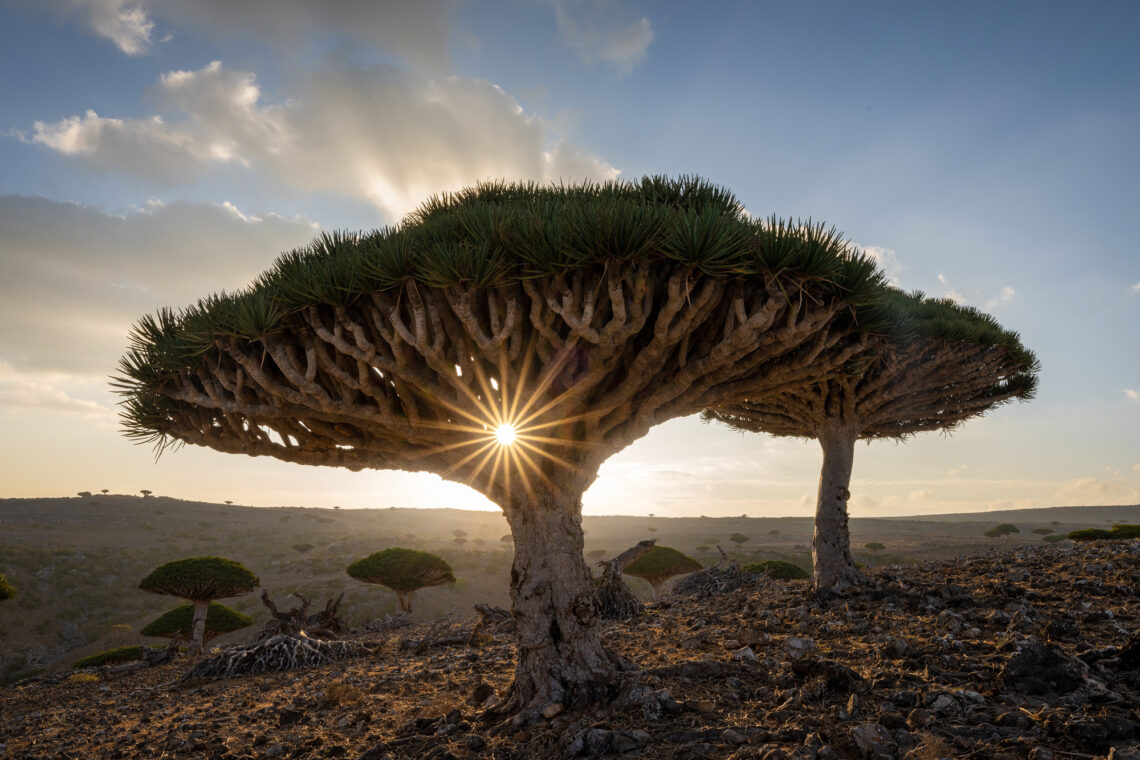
{"points": [[505, 434]]}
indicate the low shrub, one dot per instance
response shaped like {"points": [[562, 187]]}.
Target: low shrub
{"points": [[1118, 532], [111, 657], [777, 568]]}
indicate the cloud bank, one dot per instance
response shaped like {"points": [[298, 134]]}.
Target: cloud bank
{"points": [[600, 30], [378, 133]]}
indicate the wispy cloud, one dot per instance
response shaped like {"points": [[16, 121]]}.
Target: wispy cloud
{"points": [[952, 294], [1007, 293], [1132, 394], [20, 390], [1134, 289], [417, 32], [887, 260], [602, 30], [379, 133]]}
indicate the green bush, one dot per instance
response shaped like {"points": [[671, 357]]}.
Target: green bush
{"points": [[1122, 531], [874, 546], [1053, 538], [1004, 529], [179, 622], [111, 657], [661, 563], [7, 591], [777, 568], [201, 578]]}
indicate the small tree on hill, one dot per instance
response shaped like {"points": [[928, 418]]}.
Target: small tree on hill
{"points": [[146, 493], [201, 580], [739, 539], [874, 546], [178, 623], [405, 571], [999, 531], [7, 590], [936, 366], [302, 548], [84, 494], [659, 564]]}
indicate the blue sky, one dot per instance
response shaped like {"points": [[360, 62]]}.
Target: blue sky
{"points": [[156, 151]]}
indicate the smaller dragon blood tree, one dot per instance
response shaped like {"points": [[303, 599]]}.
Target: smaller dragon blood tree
{"points": [[405, 571], [178, 623], [201, 580], [7, 591], [659, 564], [936, 365]]}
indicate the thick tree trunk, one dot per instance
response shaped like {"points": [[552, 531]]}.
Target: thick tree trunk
{"points": [[198, 631], [404, 600], [560, 654], [832, 565]]}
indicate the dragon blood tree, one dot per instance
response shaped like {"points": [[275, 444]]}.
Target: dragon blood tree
{"points": [[200, 580], [178, 623], [509, 337], [7, 591], [937, 365], [405, 571], [659, 564]]}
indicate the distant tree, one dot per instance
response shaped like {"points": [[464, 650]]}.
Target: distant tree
{"points": [[1121, 531], [405, 571], [7, 590], [934, 366], [459, 533], [659, 564], [302, 548], [478, 541], [200, 580], [335, 506], [874, 546], [146, 493], [1004, 529], [738, 539], [459, 540], [84, 494], [105, 491], [773, 533], [1043, 531], [178, 623], [651, 514], [702, 548], [229, 501], [506, 539]]}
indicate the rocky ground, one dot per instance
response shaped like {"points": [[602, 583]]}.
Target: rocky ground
{"points": [[1023, 653]]}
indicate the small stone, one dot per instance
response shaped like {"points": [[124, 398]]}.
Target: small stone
{"points": [[288, 716], [873, 741], [799, 647], [275, 750], [972, 633], [480, 693], [474, 742], [733, 738], [552, 709], [745, 654]]}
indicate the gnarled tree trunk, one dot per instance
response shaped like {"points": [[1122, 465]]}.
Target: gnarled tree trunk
{"points": [[404, 601], [198, 631], [832, 565], [560, 654]]}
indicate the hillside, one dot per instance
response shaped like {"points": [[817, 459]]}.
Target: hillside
{"points": [[77, 561], [1023, 652]]}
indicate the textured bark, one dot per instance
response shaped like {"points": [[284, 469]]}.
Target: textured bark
{"points": [[404, 600], [560, 655], [198, 632], [832, 565]]}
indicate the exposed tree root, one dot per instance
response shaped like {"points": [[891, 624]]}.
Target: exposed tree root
{"points": [[721, 578], [282, 652]]}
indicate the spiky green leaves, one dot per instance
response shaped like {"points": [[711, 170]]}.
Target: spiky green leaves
{"points": [[661, 563], [402, 570], [201, 579], [7, 591], [179, 622]]}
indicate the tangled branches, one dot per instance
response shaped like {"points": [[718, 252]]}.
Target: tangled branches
{"points": [[282, 652]]}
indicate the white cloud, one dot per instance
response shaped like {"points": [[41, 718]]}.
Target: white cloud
{"points": [[1136, 467], [952, 294], [601, 30], [887, 260], [417, 32], [1091, 491], [1131, 394], [75, 279], [378, 133], [1134, 289], [1007, 293], [28, 391]]}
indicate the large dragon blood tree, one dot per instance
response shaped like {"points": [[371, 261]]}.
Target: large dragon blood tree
{"points": [[936, 365], [509, 337]]}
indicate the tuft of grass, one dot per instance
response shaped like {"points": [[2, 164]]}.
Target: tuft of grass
{"points": [[777, 568], [83, 678], [341, 693]]}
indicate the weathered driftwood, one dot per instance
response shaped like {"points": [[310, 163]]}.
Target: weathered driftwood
{"points": [[724, 576], [385, 624], [322, 625], [279, 653]]}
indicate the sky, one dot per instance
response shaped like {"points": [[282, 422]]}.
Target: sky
{"points": [[155, 151]]}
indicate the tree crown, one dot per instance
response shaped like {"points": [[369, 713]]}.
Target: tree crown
{"points": [[402, 569], [660, 563], [179, 622], [201, 579]]}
